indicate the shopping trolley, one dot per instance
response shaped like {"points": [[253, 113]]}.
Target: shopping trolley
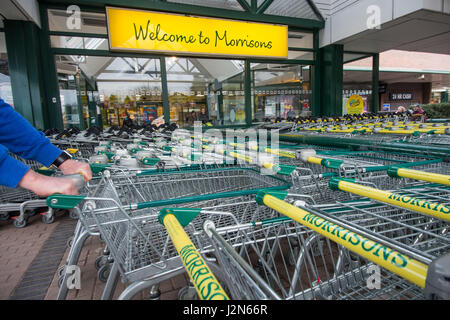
{"points": [[310, 172], [82, 149], [115, 198], [366, 142], [25, 202], [22, 201], [432, 139], [413, 198], [353, 250]]}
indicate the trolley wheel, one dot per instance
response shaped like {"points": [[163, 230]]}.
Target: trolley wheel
{"points": [[48, 220], [100, 261], [187, 293], [60, 281], [20, 224], [61, 271], [103, 272], [4, 217], [69, 243], [154, 295]]}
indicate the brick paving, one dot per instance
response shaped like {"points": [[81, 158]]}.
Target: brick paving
{"points": [[30, 257], [92, 287], [36, 280], [18, 249]]}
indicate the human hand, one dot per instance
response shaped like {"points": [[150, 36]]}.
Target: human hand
{"points": [[73, 167], [45, 186]]}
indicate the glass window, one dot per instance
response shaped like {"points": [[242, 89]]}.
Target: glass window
{"points": [[79, 43], [280, 91], [89, 22], [207, 90], [124, 86], [297, 39], [5, 82], [300, 55]]}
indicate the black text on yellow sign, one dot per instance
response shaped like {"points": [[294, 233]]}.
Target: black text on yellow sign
{"points": [[137, 30]]}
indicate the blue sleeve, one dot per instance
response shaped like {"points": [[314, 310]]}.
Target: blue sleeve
{"points": [[11, 170], [22, 139]]}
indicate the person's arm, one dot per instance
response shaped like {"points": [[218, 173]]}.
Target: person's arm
{"points": [[22, 139], [11, 170], [14, 173]]}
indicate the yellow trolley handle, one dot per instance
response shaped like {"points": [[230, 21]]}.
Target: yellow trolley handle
{"points": [[396, 172], [309, 156], [394, 261], [206, 284], [433, 209]]}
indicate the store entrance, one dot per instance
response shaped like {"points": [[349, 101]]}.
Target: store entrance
{"points": [[280, 91], [106, 90]]}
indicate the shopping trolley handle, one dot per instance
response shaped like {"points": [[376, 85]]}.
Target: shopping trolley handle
{"points": [[61, 201], [277, 194], [332, 163], [77, 178], [99, 167], [183, 215]]}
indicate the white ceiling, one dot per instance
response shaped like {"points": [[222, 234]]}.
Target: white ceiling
{"points": [[439, 81], [423, 31], [27, 10]]}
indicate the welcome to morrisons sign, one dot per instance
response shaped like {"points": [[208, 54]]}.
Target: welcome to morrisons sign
{"points": [[137, 30]]}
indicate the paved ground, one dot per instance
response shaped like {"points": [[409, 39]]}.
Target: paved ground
{"points": [[30, 257]]}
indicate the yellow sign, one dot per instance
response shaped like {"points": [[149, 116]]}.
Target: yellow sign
{"points": [[137, 30], [355, 104]]}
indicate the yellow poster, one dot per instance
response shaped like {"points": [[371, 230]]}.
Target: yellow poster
{"points": [[137, 30], [355, 104]]}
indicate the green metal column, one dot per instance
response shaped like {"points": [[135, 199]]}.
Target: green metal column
{"points": [[331, 79], [315, 78], [92, 107], [78, 80], [375, 108], [52, 101], [25, 70], [165, 90], [444, 97], [248, 92]]}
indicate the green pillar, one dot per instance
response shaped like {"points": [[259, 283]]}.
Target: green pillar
{"points": [[444, 97], [375, 103], [315, 78], [165, 90], [92, 107], [79, 86], [23, 47], [248, 92], [52, 101], [331, 59]]}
